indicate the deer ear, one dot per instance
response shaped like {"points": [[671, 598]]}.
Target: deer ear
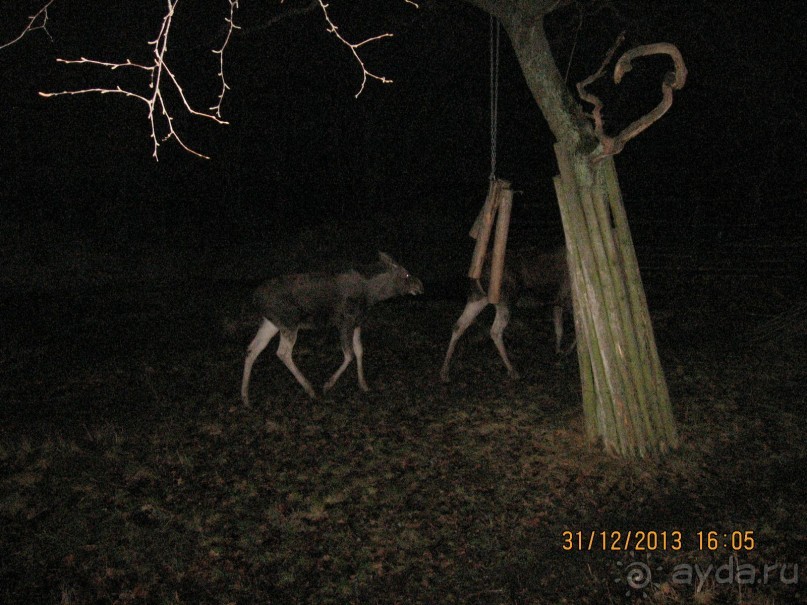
{"points": [[386, 259]]}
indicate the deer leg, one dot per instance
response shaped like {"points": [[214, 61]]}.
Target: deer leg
{"points": [[560, 307], [287, 340], [359, 351], [496, 331], [557, 321], [347, 349], [563, 302], [472, 309], [265, 333]]}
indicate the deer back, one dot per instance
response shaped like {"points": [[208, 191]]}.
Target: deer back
{"points": [[317, 299], [303, 299], [542, 271]]}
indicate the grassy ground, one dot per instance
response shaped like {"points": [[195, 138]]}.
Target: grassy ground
{"points": [[130, 473]]}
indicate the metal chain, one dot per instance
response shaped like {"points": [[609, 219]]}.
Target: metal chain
{"points": [[494, 91]]}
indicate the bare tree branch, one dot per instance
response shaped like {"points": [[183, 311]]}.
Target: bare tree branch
{"points": [[673, 80], [161, 78], [160, 72], [231, 27], [332, 28], [38, 20], [354, 47], [596, 113]]}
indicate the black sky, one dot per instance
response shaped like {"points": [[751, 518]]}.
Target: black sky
{"points": [[301, 148]]}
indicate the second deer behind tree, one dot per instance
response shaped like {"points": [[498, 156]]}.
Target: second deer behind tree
{"points": [[526, 268]]}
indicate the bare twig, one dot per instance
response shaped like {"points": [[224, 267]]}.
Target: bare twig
{"points": [[162, 78], [574, 45], [159, 73], [38, 20], [354, 48], [332, 28], [231, 26], [673, 80], [596, 113]]}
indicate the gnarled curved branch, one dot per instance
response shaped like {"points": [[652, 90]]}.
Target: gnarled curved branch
{"points": [[673, 80]]}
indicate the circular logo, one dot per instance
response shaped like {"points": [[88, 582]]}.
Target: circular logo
{"points": [[638, 575]]}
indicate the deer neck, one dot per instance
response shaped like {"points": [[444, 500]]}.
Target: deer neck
{"points": [[379, 288]]}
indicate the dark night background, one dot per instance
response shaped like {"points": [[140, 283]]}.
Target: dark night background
{"points": [[300, 149], [129, 471]]}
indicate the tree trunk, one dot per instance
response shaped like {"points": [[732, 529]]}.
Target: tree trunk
{"points": [[625, 395], [625, 398]]}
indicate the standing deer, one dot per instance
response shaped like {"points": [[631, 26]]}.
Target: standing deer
{"points": [[313, 300], [526, 268]]}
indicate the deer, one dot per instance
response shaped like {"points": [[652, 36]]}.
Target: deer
{"points": [[290, 303], [525, 269]]}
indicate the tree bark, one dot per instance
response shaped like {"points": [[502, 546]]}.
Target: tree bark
{"points": [[625, 399]]}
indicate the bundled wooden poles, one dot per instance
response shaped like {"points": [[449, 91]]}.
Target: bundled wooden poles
{"points": [[499, 200], [625, 397]]}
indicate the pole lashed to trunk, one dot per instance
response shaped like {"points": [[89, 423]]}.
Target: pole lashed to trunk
{"points": [[624, 390]]}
